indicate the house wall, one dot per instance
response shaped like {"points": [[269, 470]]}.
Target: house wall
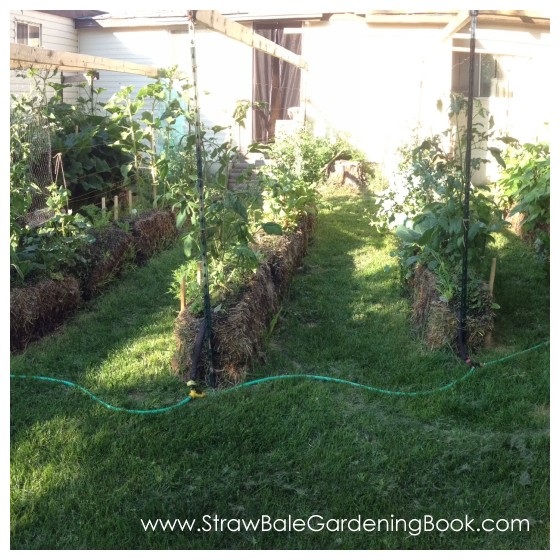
{"points": [[375, 83], [378, 83], [57, 33], [224, 67]]}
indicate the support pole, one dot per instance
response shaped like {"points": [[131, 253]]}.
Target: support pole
{"points": [[462, 334], [202, 216]]}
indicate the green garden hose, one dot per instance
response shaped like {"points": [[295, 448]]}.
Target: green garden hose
{"points": [[277, 378]]}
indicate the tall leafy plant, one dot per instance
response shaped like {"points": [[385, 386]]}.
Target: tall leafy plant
{"points": [[433, 173], [525, 188]]}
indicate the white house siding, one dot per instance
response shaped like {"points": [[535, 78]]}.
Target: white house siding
{"points": [[378, 83], [375, 83], [525, 113], [57, 33], [224, 66], [225, 76], [141, 46]]}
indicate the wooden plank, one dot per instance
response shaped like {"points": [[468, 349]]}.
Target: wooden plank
{"points": [[132, 22], [216, 21], [22, 56], [456, 23], [517, 13], [407, 19]]}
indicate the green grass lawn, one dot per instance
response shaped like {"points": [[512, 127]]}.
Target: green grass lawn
{"points": [[84, 477]]}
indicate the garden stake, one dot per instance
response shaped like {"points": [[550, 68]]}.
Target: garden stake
{"points": [[488, 341], [116, 208], [129, 200], [492, 277], [182, 293], [462, 335], [201, 211], [103, 206]]}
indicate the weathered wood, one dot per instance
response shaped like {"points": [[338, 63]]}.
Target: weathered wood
{"points": [[408, 19], [216, 21], [523, 14], [129, 200], [456, 23], [492, 276], [116, 208], [433, 18], [24, 56], [103, 205], [183, 298]]}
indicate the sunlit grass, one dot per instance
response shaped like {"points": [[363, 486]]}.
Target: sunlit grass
{"points": [[82, 476]]}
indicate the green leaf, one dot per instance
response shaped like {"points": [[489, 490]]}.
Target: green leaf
{"points": [[181, 216], [497, 156], [272, 228], [188, 243], [406, 234], [125, 170], [246, 252]]}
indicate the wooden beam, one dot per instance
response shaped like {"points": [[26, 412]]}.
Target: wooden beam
{"points": [[456, 23], [517, 13], [23, 56], [408, 19], [132, 22], [216, 21]]}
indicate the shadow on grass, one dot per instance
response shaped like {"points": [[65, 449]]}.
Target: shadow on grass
{"points": [[522, 289], [83, 477], [120, 345]]}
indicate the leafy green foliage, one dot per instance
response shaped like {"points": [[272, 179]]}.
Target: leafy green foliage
{"points": [[289, 446], [525, 188], [53, 247], [298, 163], [429, 203], [91, 162]]}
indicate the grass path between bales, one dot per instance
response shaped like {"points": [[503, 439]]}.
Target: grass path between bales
{"points": [[83, 477]]}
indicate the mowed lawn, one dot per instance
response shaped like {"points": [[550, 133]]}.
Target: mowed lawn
{"points": [[86, 477]]}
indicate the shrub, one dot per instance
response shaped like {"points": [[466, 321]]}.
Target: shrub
{"points": [[429, 200], [525, 189]]}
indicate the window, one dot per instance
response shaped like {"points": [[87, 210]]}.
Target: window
{"points": [[491, 74], [28, 34]]}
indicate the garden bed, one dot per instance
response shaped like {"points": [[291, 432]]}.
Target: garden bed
{"points": [[239, 329], [40, 307], [436, 320]]}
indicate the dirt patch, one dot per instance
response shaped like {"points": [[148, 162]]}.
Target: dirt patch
{"points": [[436, 321], [238, 331], [40, 308]]}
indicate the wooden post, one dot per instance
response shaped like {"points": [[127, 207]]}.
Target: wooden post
{"points": [[129, 200], [154, 192], [492, 276], [199, 273], [116, 208], [488, 340], [103, 205], [183, 293]]}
